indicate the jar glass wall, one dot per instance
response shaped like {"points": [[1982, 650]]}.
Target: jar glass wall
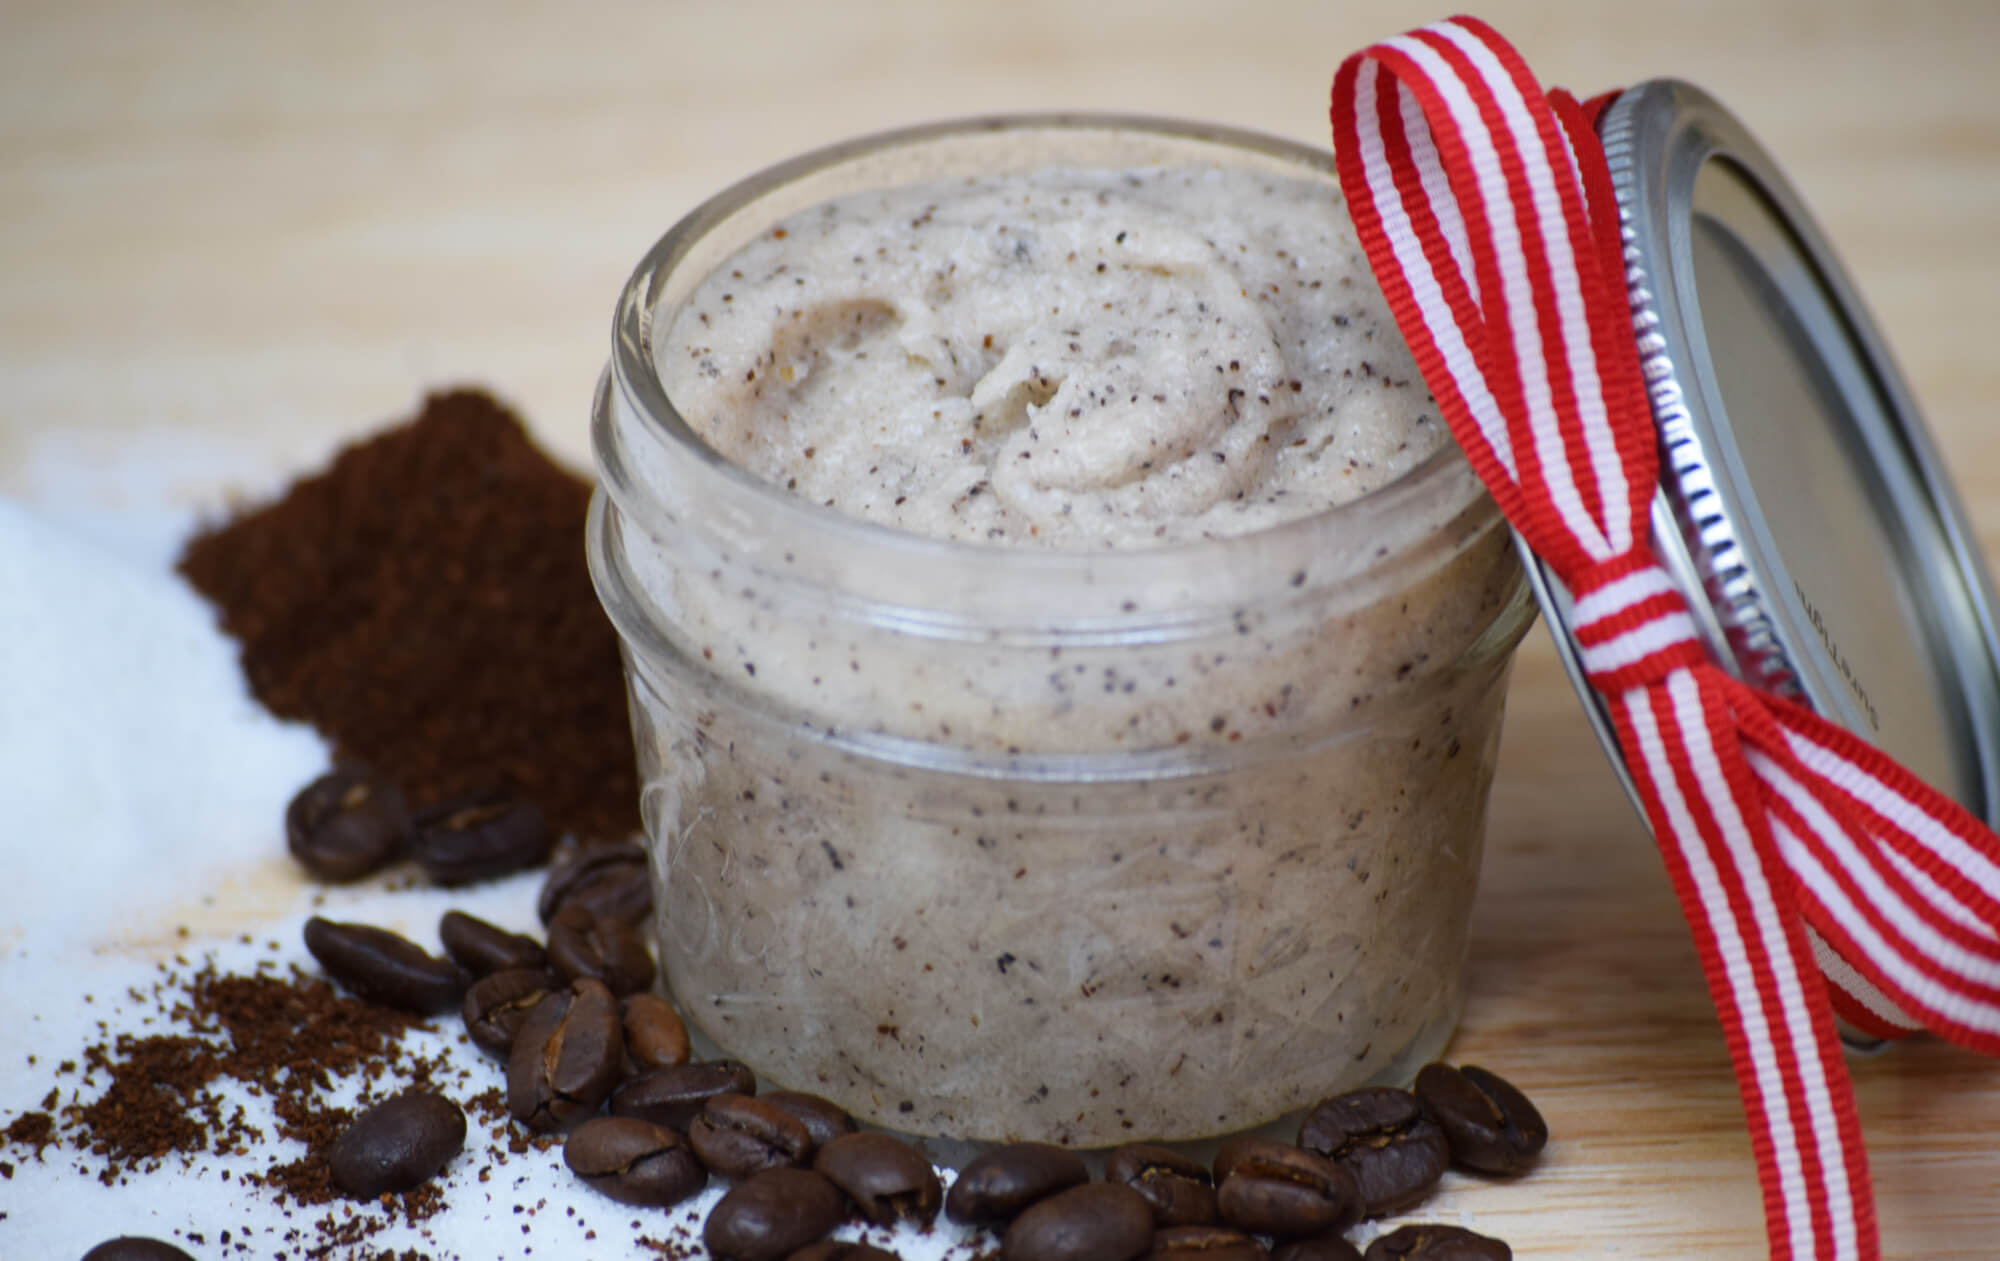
{"points": [[1012, 843]]}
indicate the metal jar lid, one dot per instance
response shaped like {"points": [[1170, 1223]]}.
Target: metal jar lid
{"points": [[1802, 509]]}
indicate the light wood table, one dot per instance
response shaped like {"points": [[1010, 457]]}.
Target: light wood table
{"points": [[236, 234]]}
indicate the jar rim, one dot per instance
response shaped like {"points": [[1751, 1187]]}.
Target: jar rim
{"points": [[633, 380]]}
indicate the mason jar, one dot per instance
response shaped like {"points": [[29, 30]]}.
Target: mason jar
{"points": [[1009, 843]]}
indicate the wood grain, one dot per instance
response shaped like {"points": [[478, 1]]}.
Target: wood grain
{"points": [[237, 234]]}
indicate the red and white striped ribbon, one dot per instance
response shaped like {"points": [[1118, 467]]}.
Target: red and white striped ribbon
{"points": [[1814, 872]]}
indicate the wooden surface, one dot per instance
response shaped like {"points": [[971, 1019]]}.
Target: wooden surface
{"points": [[233, 235]]}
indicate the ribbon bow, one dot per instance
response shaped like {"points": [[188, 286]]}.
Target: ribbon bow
{"points": [[1795, 848]]}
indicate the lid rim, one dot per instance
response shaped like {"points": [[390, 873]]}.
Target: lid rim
{"points": [[1657, 136], [1737, 626]]}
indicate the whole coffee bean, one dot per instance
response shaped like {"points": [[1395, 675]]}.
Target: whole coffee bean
{"points": [[614, 881], [998, 1184], [1316, 1248], [1436, 1243], [496, 1006], [397, 1145], [1205, 1243], [1098, 1221], [565, 1058], [1177, 1185], [736, 1136], [771, 1215], [888, 1180], [634, 1161], [655, 1035], [584, 943], [1383, 1138], [675, 1096], [1490, 1126], [135, 1248], [480, 839], [1266, 1186], [824, 1119], [483, 949], [840, 1250], [384, 968], [346, 824], [530, 1092]]}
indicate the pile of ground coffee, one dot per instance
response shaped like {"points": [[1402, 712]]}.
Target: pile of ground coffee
{"points": [[424, 602]]}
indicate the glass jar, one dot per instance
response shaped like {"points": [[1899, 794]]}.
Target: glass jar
{"points": [[1009, 843]]}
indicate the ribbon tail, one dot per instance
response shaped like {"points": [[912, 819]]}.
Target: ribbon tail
{"points": [[1893, 876], [1703, 803], [1944, 840]]}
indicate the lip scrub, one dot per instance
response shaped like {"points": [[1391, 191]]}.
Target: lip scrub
{"points": [[1066, 654]]}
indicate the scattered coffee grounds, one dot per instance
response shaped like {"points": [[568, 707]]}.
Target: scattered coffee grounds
{"points": [[424, 602], [288, 1036], [31, 1130]]}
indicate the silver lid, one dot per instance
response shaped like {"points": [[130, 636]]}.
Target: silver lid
{"points": [[1802, 509]]}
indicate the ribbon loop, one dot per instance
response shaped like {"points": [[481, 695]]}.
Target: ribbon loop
{"points": [[1814, 872]]}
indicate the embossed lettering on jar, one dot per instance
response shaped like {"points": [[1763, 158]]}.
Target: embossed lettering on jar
{"points": [[1168, 836]]}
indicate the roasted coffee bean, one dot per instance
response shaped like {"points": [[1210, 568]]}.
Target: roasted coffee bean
{"points": [[1436, 1243], [1177, 1186], [888, 1180], [384, 968], [1331, 1247], [584, 943], [840, 1250], [483, 949], [496, 1006], [736, 1136], [771, 1215], [612, 880], [634, 1161], [824, 1119], [1204, 1243], [530, 1091], [565, 1058], [999, 1183], [1490, 1126], [135, 1248], [480, 839], [1266, 1186], [397, 1145], [346, 824], [675, 1096], [1383, 1138], [655, 1035], [1098, 1221]]}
